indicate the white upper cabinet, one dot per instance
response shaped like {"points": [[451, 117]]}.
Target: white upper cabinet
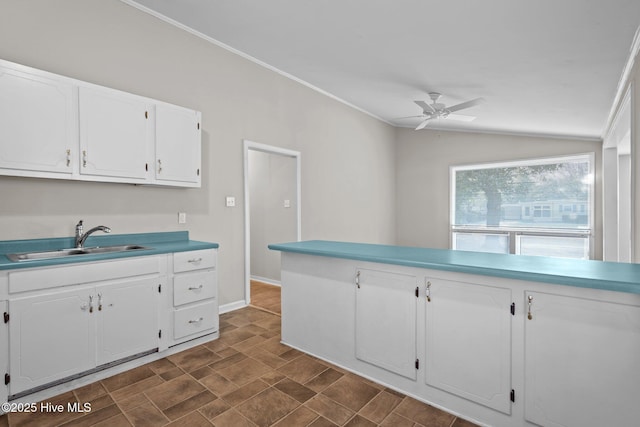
{"points": [[115, 134], [57, 127], [38, 127], [177, 145]]}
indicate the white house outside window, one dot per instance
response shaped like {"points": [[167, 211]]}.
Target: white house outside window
{"points": [[528, 207]]}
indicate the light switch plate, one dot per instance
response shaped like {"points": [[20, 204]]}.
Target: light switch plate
{"points": [[231, 201], [182, 217]]}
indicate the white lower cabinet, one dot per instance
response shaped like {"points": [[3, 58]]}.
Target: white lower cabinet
{"points": [[385, 321], [194, 307], [68, 321], [51, 337], [574, 362], [468, 341], [4, 350], [56, 334], [582, 364], [127, 320]]}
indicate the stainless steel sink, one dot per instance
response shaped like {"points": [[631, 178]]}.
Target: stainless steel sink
{"points": [[61, 253]]}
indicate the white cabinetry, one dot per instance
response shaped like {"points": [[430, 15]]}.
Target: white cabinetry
{"points": [[468, 341], [38, 123], [385, 320], [116, 138], [51, 338], [66, 320], [178, 146], [581, 361], [195, 297], [53, 126], [4, 350], [127, 320]]}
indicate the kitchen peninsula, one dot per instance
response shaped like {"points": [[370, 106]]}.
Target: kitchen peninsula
{"points": [[502, 340]]}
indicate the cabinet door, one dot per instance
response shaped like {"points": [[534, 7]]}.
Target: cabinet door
{"points": [[581, 362], [177, 145], [38, 122], [52, 336], [468, 342], [115, 134], [127, 314], [4, 352], [386, 320]]}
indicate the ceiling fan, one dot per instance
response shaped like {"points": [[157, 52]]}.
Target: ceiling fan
{"points": [[436, 110]]}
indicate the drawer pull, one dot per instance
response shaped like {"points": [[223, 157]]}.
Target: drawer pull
{"points": [[197, 321], [195, 260], [196, 288]]}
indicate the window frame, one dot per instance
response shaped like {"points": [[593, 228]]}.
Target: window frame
{"points": [[513, 232]]}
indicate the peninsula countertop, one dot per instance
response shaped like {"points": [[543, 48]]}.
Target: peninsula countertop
{"points": [[611, 276], [156, 243]]}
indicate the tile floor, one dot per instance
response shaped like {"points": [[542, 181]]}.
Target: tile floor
{"points": [[266, 296], [245, 378]]}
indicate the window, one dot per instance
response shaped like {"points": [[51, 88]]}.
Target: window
{"points": [[528, 207]]}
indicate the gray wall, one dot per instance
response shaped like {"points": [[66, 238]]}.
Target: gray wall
{"points": [[348, 157], [272, 180], [422, 162]]}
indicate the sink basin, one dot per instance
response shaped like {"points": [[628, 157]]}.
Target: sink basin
{"points": [[62, 253]]}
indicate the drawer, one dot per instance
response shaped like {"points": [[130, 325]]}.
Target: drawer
{"points": [[24, 280], [194, 260], [199, 319], [192, 287]]}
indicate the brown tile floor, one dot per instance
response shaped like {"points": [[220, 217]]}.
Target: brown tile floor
{"points": [[265, 296], [245, 378]]}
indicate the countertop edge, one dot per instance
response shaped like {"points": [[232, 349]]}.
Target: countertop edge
{"points": [[160, 243], [576, 280]]}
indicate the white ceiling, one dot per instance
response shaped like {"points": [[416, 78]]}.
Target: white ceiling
{"points": [[547, 67]]}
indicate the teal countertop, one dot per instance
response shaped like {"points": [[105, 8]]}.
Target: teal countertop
{"points": [[158, 243], [612, 276]]}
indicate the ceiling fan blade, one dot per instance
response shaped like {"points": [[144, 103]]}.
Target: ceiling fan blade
{"points": [[467, 104], [424, 123], [425, 107], [460, 117], [408, 117]]}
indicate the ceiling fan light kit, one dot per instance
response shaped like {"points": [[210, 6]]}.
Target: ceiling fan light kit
{"points": [[436, 110]]}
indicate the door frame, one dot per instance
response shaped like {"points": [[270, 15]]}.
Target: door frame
{"points": [[269, 149]]}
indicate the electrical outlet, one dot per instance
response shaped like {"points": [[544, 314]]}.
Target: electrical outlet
{"points": [[182, 217], [231, 201], [287, 203]]}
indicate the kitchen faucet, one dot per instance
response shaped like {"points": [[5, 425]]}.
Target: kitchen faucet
{"points": [[81, 236]]}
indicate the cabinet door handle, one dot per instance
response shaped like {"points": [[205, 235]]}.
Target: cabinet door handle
{"points": [[194, 260], [84, 158], [90, 303], [197, 321], [159, 165], [530, 303], [99, 302], [358, 279], [196, 288], [428, 291], [68, 158]]}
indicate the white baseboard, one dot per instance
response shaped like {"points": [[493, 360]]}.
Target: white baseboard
{"points": [[237, 305], [267, 281]]}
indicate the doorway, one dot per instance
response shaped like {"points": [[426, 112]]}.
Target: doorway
{"points": [[272, 209]]}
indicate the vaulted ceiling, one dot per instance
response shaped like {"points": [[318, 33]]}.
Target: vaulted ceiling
{"points": [[544, 67]]}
